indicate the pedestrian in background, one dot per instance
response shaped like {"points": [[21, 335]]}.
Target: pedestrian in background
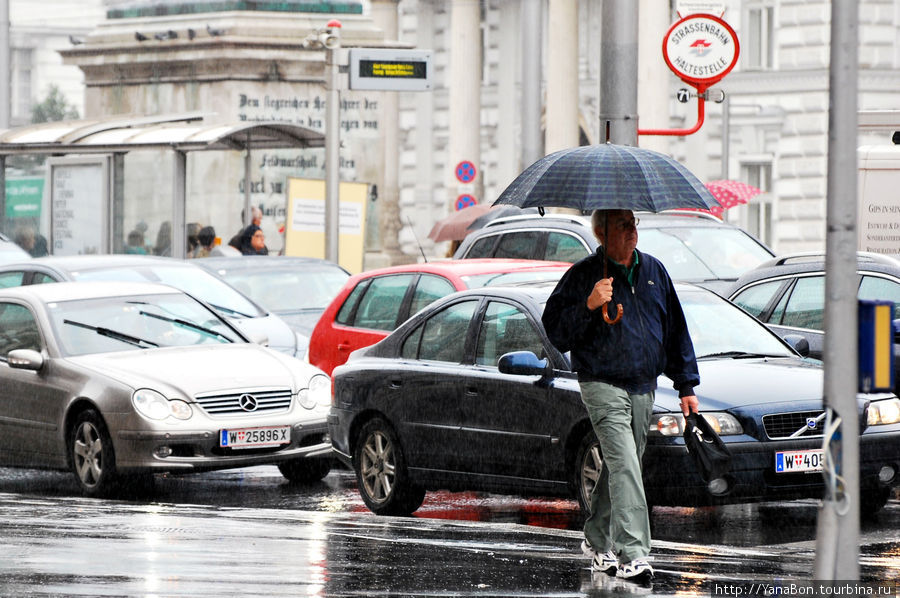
{"points": [[617, 367], [253, 241], [206, 241], [256, 216]]}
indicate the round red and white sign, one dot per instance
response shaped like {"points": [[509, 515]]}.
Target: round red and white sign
{"points": [[701, 49]]}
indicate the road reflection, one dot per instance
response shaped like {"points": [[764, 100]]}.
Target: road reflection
{"points": [[264, 487]]}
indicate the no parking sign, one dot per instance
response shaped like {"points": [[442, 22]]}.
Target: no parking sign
{"points": [[464, 201], [465, 172]]}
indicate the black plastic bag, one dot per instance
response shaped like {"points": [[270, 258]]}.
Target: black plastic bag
{"points": [[709, 452]]}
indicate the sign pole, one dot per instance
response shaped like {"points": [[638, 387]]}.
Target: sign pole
{"points": [[332, 143], [837, 534]]}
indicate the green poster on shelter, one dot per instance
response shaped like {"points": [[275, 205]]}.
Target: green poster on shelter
{"points": [[24, 196]]}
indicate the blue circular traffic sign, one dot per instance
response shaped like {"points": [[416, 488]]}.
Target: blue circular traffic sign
{"points": [[464, 201], [465, 172]]}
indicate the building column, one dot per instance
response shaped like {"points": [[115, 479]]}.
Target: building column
{"points": [[465, 99], [532, 62], [509, 163], [654, 94], [562, 76], [385, 17]]}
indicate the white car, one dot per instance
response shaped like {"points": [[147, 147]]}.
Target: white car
{"points": [[115, 380]]}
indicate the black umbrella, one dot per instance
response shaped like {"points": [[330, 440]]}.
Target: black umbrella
{"points": [[607, 177]]}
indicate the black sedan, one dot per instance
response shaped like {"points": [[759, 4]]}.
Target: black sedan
{"points": [[469, 394]]}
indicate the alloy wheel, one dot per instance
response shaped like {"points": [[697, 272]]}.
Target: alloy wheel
{"points": [[88, 454], [377, 466], [591, 464]]}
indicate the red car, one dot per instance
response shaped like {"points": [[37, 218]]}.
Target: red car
{"points": [[373, 303]]}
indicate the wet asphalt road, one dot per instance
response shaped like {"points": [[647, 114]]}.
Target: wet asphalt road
{"points": [[249, 533]]}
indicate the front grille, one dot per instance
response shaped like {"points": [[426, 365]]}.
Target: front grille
{"points": [[229, 403], [782, 425]]}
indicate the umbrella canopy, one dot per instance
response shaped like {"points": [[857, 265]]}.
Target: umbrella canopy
{"points": [[729, 194], [607, 177], [455, 226]]}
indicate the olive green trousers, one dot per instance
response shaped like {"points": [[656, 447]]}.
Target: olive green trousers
{"points": [[619, 518]]}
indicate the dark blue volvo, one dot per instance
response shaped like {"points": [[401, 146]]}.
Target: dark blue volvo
{"points": [[469, 394]]}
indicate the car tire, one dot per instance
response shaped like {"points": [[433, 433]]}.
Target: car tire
{"points": [[305, 471], [381, 473], [91, 454], [586, 472]]}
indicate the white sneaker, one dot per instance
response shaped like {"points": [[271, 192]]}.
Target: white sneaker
{"points": [[636, 569], [587, 550], [605, 562]]}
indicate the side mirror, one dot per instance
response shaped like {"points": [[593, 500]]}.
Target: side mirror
{"points": [[799, 343], [524, 363], [25, 359]]}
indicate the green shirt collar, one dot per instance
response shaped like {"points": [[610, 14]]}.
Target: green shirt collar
{"points": [[628, 271]]}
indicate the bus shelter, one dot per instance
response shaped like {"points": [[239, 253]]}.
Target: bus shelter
{"points": [[85, 175]]}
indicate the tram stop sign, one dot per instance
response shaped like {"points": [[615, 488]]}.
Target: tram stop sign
{"points": [[701, 49]]}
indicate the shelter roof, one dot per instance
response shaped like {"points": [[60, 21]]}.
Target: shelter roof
{"points": [[181, 132]]}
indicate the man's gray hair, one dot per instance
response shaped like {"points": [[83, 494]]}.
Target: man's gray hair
{"points": [[598, 219]]}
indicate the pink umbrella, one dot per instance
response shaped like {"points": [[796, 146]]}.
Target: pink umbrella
{"points": [[454, 227], [729, 194]]}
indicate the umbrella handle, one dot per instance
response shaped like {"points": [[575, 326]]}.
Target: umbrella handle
{"points": [[606, 317]]}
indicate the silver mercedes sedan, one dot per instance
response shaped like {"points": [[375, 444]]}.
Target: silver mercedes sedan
{"points": [[117, 381]]}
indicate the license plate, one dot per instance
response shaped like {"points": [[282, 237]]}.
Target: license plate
{"points": [[798, 461], [255, 437]]}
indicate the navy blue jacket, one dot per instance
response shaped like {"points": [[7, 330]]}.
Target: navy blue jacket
{"points": [[651, 338]]}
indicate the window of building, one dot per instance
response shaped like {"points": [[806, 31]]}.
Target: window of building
{"points": [[20, 106], [759, 37], [759, 209]]}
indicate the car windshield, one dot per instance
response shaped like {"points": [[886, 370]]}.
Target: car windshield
{"points": [[288, 289], [192, 280], [719, 328], [702, 253], [111, 324], [496, 279]]}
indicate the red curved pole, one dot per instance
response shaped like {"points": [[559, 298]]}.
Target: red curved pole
{"points": [[701, 112]]}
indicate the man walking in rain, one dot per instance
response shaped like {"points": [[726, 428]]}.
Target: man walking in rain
{"points": [[617, 366]]}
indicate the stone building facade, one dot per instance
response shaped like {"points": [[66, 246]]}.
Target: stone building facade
{"points": [[776, 114], [772, 131]]}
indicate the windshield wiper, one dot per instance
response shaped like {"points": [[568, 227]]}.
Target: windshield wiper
{"points": [[230, 311], [119, 336], [186, 324], [739, 355]]}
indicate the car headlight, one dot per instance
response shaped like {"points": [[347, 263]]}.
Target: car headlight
{"points": [[672, 424], [153, 405], [880, 413], [318, 392]]}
